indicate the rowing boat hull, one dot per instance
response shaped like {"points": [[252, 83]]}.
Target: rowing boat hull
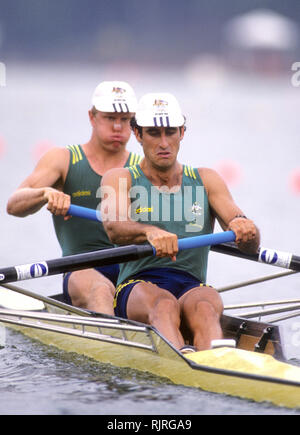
{"points": [[237, 372], [252, 382]]}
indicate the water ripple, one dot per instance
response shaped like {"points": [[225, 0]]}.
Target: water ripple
{"points": [[37, 379]]}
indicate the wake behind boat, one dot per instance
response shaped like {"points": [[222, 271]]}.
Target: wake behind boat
{"points": [[256, 369]]}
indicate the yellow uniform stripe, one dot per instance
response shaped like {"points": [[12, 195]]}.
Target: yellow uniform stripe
{"points": [[70, 147], [189, 172], [121, 286], [76, 153], [131, 159], [135, 172], [132, 170], [136, 160], [77, 147]]}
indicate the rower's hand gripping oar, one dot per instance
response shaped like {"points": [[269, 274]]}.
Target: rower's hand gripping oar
{"points": [[273, 257], [104, 257]]}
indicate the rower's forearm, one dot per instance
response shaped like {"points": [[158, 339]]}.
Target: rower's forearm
{"points": [[26, 201], [126, 233]]}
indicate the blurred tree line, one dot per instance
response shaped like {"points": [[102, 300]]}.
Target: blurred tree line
{"points": [[124, 29]]}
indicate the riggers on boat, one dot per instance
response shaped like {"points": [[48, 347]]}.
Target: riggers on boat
{"points": [[256, 369]]}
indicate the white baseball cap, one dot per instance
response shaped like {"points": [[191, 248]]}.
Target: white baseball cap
{"points": [[114, 97], [159, 110]]}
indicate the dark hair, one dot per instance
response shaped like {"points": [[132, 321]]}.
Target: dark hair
{"points": [[133, 125], [94, 111]]}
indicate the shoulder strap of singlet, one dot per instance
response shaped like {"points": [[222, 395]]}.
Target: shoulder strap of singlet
{"points": [[76, 153], [135, 171], [134, 159], [190, 172]]}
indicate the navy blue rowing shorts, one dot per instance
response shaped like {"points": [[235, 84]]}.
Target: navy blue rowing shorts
{"points": [[177, 282], [110, 272]]}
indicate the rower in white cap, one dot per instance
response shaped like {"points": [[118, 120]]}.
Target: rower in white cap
{"points": [[169, 290], [73, 174]]}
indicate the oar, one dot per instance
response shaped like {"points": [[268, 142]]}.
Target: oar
{"points": [[85, 213], [273, 257], [47, 300], [104, 257]]}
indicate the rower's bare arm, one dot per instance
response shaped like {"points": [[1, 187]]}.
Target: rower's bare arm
{"points": [[120, 228], [229, 215], [42, 187], [115, 209]]}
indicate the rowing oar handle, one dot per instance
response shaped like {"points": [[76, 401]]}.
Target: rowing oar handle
{"points": [[188, 243], [206, 240], [85, 213]]}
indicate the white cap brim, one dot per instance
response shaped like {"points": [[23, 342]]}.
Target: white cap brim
{"points": [[106, 104], [144, 120]]}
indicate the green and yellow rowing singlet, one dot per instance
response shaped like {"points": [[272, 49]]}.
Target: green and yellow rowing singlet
{"points": [[82, 183], [185, 212]]}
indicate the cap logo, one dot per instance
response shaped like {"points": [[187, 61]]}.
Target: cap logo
{"points": [[118, 91], [119, 104], [160, 104]]}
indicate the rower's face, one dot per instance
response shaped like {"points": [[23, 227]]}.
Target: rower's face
{"points": [[112, 130], [161, 144]]}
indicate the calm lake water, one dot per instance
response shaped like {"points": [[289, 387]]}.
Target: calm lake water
{"points": [[246, 127]]}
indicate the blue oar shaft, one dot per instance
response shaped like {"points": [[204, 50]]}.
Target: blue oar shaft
{"points": [[188, 243], [85, 213], [206, 240]]}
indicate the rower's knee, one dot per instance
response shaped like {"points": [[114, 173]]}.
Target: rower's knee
{"points": [[211, 301], [206, 309], [217, 302], [165, 309]]}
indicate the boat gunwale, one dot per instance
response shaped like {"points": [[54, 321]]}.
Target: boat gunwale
{"points": [[76, 333], [76, 320], [193, 365]]}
